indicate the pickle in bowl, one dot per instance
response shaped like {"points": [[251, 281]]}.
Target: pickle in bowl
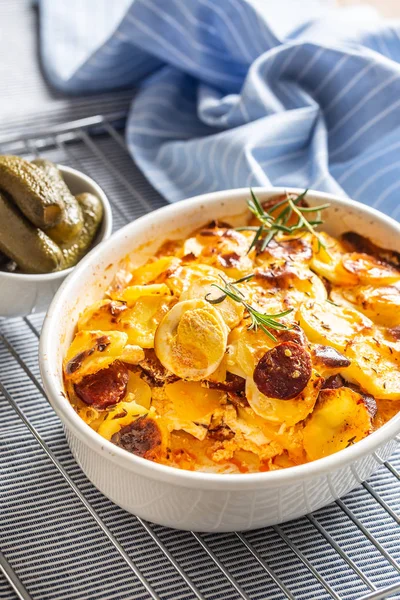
{"points": [[92, 213], [27, 245], [31, 191], [43, 226], [72, 221]]}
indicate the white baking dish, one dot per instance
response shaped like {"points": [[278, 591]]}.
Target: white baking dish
{"points": [[192, 500]]}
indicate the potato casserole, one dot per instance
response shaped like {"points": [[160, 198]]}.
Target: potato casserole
{"points": [[245, 349]]}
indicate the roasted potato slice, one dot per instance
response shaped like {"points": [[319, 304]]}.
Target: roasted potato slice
{"points": [[104, 315], [290, 283], [132, 293], [245, 348], [92, 351], [183, 277], [339, 419], [380, 304], [327, 324], [375, 367], [138, 390], [369, 270], [141, 321], [225, 249], [284, 248], [122, 414], [327, 262], [151, 271]]}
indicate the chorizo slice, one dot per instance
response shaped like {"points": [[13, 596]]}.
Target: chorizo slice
{"points": [[333, 382], [329, 357], [284, 371], [235, 387], [233, 383], [141, 437], [105, 387], [153, 371]]}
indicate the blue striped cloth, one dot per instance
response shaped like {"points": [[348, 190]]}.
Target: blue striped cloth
{"points": [[241, 92]]}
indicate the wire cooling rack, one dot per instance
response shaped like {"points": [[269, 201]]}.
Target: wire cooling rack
{"points": [[60, 539]]}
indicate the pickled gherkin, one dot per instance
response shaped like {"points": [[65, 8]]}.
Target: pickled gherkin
{"points": [[31, 190], [92, 211], [72, 221], [27, 245]]}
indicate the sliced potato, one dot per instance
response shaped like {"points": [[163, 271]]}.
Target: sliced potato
{"points": [[380, 304], [191, 339], [340, 418], [297, 250], [245, 348], [387, 409], [183, 277], [141, 321], [92, 351], [325, 323], [122, 414], [369, 270], [222, 248], [151, 271], [289, 412], [291, 284], [327, 262], [133, 292], [375, 367], [103, 315], [219, 375], [138, 390]]}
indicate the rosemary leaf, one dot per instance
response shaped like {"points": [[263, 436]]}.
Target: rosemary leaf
{"points": [[272, 223], [258, 319]]}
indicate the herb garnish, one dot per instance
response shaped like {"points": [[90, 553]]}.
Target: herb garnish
{"points": [[258, 319], [272, 224]]}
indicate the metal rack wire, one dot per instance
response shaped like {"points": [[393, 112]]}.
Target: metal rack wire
{"points": [[61, 539]]}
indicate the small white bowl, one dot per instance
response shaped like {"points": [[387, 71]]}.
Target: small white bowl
{"points": [[186, 499], [22, 294]]}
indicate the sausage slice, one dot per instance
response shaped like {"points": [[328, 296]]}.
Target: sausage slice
{"points": [[330, 357], [141, 437], [333, 382], [105, 387], [284, 371]]}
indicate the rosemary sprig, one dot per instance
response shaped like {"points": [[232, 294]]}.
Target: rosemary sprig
{"points": [[272, 223], [258, 319]]}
